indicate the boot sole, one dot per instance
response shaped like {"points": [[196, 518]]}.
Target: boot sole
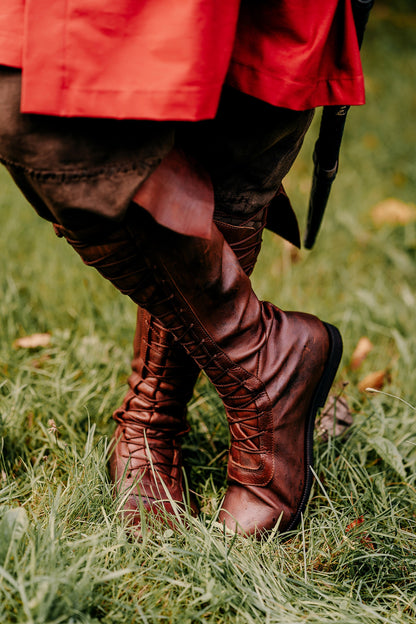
{"points": [[318, 401]]}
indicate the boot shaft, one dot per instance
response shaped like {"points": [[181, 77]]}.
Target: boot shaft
{"points": [[163, 375]]}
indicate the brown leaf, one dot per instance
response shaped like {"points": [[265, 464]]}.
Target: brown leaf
{"points": [[363, 348], [393, 212], [365, 538], [374, 380], [335, 418], [33, 341], [354, 523]]}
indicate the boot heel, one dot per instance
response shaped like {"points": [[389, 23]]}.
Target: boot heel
{"points": [[331, 367]]}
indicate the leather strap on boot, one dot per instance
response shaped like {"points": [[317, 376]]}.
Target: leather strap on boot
{"points": [[147, 451]]}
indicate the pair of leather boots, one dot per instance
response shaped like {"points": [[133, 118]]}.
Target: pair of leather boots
{"points": [[272, 369]]}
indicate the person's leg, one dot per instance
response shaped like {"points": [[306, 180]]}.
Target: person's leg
{"points": [[247, 149], [152, 418], [197, 290], [272, 369], [77, 171], [74, 171]]}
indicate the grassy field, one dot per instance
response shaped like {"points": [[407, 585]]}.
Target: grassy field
{"points": [[64, 554]]}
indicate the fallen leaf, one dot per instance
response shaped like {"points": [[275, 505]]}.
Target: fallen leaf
{"points": [[354, 523], [393, 212], [365, 538], [335, 419], [33, 341], [363, 348], [373, 380]]}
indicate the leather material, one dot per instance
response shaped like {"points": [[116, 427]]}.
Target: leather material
{"points": [[251, 509], [146, 455], [281, 218], [267, 365], [179, 195]]}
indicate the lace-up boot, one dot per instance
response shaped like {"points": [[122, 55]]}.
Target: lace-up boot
{"points": [[152, 419], [272, 369]]}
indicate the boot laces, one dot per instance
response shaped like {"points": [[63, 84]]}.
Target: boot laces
{"points": [[147, 449]]}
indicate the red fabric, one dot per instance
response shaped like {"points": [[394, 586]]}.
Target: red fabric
{"points": [[297, 54], [11, 32], [155, 59]]}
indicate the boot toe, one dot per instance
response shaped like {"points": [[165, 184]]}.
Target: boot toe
{"points": [[252, 511]]}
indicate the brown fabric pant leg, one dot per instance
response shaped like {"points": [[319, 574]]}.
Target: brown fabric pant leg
{"points": [[247, 149], [72, 169]]}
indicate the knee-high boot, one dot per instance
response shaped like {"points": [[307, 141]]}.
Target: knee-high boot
{"points": [[272, 369], [152, 419]]}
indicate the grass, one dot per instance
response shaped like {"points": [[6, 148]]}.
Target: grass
{"points": [[64, 554]]}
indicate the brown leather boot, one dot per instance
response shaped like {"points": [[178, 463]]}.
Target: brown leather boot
{"points": [[146, 456], [152, 419], [272, 369]]}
